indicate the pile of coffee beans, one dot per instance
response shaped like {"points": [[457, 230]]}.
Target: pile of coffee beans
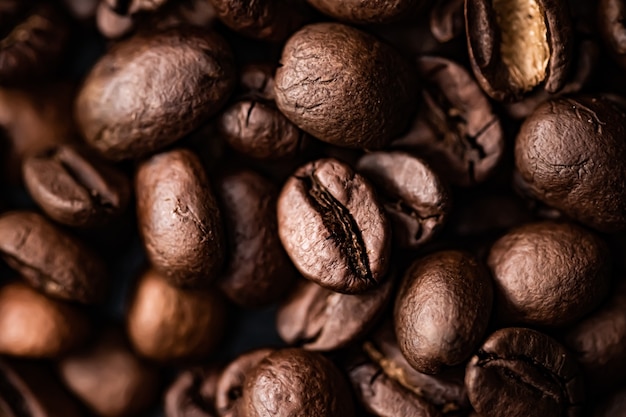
{"points": [[312, 208]]}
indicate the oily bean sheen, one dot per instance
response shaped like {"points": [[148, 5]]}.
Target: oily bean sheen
{"points": [[344, 86], [368, 11], [333, 227], [295, 382], [611, 15], [570, 153], [516, 46], [548, 274], [414, 197], [152, 89], [109, 378], [442, 310], [50, 259], [179, 219], [258, 271], [192, 394], [75, 188], [521, 372], [316, 318]]}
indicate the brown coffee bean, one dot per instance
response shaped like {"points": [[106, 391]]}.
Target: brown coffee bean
{"points": [[316, 318], [258, 272], [611, 27], [32, 325], [111, 24], [179, 220], [367, 11], [344, 86], [166, 323], [193, 392], [50, 259], [442, 310], [447, 21], [296, 382], [164, 84], [74, 187], [548, 274], [109, 378], [516, 46], [333, 227], [415, 199]]}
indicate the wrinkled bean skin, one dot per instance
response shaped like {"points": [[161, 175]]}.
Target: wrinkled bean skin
{"points": [[367, 11], [192, 394], [144, 76]]}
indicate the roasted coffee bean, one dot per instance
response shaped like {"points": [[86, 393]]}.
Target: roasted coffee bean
{"points": [[166, 323], [179, 219], [134, 6], [516, 46], [111, 24], [442, 310], [344, 86], [193, 392], [164, 85], [613, 406], [446, 20], [75, 188], [32, 325], [228, 401], [414, 197], [611, 26], [296, 382], [548, 274], [521, 372], [456, 130], [333, 227], [258, 272], [50, 259], [28, 390], [569, 151], [316, 318], [599, 342], [368, 11]]}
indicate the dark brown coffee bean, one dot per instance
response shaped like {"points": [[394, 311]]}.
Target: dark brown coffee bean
{"points": [[32, 325], [585, 179], [316, 318], [296, 382], [599, 342], [166, 323], [344, 86], [414, 197], [228, 401], [28, 390], [258, 271], [611, 14], [442, 310], [75, 187], [447, 21], [179, 220], [456, 130], [51, 260], [111, 24], [549, 274], [109, 378], [193, 392], [367, 11], [521, 372], [164, 85], [333, 227], [516, 46]]}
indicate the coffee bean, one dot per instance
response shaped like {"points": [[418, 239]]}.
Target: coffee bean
{"points": [[193, 392], [75, 188], [368, 11], [34, 326], [50, 259], [258, 272], [521, 372], [611, 27], [145, 76], [333, 227], [295, 382], [109, 378], [166, 323], [179, 219], [415, 199], [584, 179], [344, 86], [442, 310], [518, 46], [316, 318], [111, 24], [548, 274], [446, 20]]}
